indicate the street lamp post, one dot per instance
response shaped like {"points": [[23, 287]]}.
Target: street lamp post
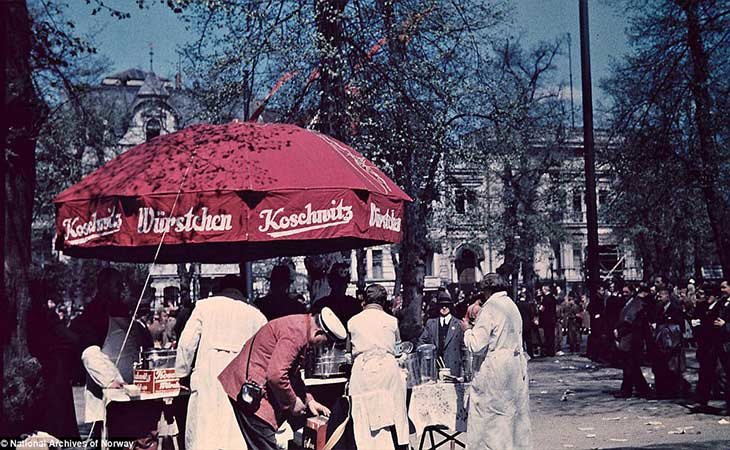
{"points": [[589, 155]]}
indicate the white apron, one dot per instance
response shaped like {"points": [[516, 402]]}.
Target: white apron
{"points": [[499, 409], [378, 391], [377, 384]]}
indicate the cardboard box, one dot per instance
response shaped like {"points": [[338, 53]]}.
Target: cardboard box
{"points": [[314, 435], [152, 381]]}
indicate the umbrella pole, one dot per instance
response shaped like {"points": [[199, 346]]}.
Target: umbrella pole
{"points": [[246, 269]]}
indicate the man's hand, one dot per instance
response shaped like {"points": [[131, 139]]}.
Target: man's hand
{"points": [[317, 408], [719, 322], [115, 385], [299, 408], [465, 325]]}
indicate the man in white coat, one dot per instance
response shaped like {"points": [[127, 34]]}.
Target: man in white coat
{"points": [[215, 333], [499, 407]]}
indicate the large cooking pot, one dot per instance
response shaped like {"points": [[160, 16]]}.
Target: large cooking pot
{"points": [[157, 358], [326, 361]]}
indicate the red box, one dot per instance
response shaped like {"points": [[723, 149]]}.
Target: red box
{"points": [[314, 434], [152, 381]]}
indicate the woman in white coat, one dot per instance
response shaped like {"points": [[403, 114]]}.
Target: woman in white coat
{"points": [[377, 384], [212, 337], [499, 406]]}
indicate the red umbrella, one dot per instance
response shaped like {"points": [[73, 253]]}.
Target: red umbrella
{"points": [[229, 193]]}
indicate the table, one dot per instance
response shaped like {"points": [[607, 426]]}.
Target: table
{"points": [[441, 409], [118, 397]]}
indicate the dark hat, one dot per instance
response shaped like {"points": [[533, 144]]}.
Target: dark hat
{"points": [[339, 271], [443, 298]]}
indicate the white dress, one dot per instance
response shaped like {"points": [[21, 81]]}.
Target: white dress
{"points": [[377, 384], [212, 337], [499, 408]]}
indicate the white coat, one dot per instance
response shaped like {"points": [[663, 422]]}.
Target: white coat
{"points": [[499, 408], [377, 384], [212, 337]]}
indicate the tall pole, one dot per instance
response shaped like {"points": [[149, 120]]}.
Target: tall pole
{"points": [[570, 70], [589, 155]]}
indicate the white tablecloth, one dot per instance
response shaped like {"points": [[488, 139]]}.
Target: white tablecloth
{"points": [[444, 404]]}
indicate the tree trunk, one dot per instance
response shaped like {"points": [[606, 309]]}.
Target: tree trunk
{"points": [[362, 268], [333, 101], [24, 113], [708, 153], [398, 269], [413, 269]]}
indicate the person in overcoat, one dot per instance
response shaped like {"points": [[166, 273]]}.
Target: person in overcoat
{"points": [[212, 337], [499, 403], [631, 332]]}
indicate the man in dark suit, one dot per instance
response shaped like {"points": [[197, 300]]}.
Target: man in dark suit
{"points": [[711, 317], [630, 333], [446, 334], [548, 319], [668, 351]]}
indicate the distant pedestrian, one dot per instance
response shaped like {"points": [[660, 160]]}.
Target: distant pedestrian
{"points": [[548, 320], [631, 332]]}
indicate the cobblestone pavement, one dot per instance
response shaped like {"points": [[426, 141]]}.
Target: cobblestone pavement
{"points": [[572, 407]]}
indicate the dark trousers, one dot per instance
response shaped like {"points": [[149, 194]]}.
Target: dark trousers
{"points": [[708, 358], [633, 377], [549, 344], [668, 383], [258, 434]]}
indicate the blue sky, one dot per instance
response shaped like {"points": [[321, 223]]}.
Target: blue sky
{"points": [[126, 42]]}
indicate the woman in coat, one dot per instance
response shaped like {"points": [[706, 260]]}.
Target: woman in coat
{"points": [[499, 412], [377, 384]]}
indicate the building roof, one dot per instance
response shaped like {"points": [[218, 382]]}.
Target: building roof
{"points": [[131, 77], [153, 87]]}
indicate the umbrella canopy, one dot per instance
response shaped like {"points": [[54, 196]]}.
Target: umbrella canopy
{"points": [[229, 193]]}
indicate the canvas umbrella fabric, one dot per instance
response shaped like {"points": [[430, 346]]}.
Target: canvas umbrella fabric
{"points": [[229, 193]]}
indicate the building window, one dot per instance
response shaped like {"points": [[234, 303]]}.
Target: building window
{"points": [[428, 264], [460, 201], [465, 200], [577, 214], [152, 129], [577, 260], [377, 258], [602, 198]]}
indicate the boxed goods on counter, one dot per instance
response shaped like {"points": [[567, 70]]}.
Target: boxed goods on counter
{"points": [[155, 371]]}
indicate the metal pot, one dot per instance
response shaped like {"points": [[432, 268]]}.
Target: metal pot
{"points": [[326, 361], [158, 358]]}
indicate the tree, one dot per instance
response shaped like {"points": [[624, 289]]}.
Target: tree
{"points": [[24, 112], [521, 148], [393, 79], [667, 117]]}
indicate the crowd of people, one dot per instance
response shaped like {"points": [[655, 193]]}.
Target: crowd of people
{"points": [[242, 361]]}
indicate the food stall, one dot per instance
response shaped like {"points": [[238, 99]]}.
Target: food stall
{"points": [[228, 193]]}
